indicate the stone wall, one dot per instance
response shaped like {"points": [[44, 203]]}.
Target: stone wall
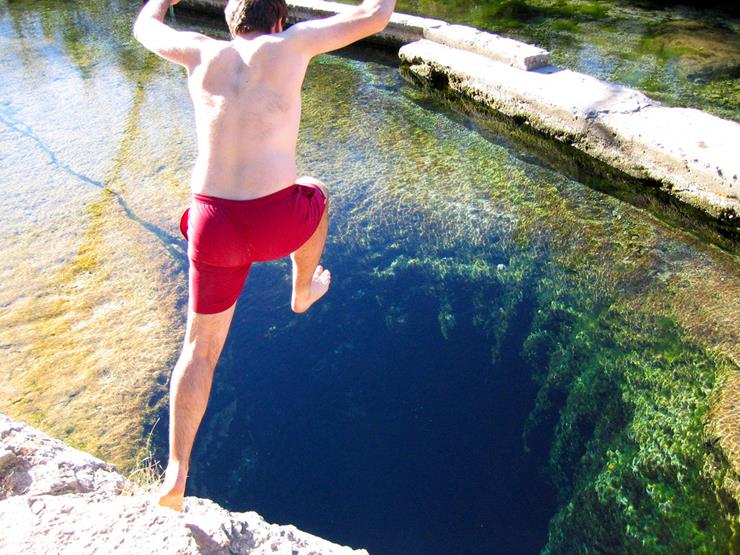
{"points": [[689, 153]]}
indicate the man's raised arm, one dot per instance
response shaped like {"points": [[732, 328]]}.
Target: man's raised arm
{"points": [[181, 47], [317, 36]]}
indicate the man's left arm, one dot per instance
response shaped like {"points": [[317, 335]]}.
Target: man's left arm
{"points": [[180, 47]]}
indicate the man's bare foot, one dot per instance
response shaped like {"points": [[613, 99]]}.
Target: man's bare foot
{"points": [[171, 500], [302, 301], [172, 492]]}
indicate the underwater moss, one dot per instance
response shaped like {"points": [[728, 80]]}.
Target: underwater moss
{"points": [[633, 456], [87, 340]]}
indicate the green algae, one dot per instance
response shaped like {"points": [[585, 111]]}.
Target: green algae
{"points": [[625, 387], [55, 328], [706, 222], [100, 294], [635, 465], [629, 391]]}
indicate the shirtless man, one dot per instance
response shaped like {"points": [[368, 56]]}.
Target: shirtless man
{"points": [[247, 203]]}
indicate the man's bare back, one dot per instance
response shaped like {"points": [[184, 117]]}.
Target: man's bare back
{"points": [[246, 95]]}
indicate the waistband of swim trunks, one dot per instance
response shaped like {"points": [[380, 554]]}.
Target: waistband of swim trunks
{"points": [[218, 201]]}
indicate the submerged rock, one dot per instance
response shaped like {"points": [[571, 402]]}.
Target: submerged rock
{"points": [[701, 50], [55, 499]]}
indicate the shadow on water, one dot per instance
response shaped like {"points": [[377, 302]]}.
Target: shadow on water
{"points": [[173, 246]]}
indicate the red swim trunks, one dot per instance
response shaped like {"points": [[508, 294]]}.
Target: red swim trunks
{"points": [[225, 236]]}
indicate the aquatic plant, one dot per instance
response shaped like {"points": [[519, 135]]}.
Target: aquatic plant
{"points": [[147, 472], [633, 456], [610, 347], [93, 290]]}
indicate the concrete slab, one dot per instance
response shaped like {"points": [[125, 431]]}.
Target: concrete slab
{"points": [[404, 28], [691, 153], [546, 97], [696, 154], [508, 51]]}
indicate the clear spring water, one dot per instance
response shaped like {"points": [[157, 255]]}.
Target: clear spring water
{"points": [[413, 409]]}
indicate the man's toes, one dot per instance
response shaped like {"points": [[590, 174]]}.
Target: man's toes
{"points": [[317, 271]]}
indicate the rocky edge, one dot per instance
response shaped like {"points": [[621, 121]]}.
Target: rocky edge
{"points": [[55, 499]]}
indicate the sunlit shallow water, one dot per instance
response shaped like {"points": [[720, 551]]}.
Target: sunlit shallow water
{"points": [[498, 341]]}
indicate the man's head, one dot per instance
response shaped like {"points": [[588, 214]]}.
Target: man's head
{"points": [[264, 16]]}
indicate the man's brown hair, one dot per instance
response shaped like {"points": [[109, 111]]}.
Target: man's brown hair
{"points": [[243, 16]]}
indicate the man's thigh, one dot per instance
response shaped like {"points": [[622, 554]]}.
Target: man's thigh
{"points": [[206, 333]]}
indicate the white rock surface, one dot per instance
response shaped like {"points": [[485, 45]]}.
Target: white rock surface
{"points": [[696, 153], [33, 464], [508, 51], [550, 98], [55, 499], [404, 28]]}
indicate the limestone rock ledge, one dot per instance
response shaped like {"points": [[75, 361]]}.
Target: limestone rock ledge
{"points": [[691, 154], [55, 499]]}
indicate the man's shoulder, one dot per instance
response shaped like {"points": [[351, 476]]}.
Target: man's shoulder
{"points": [[213, 43], [218, 50]]}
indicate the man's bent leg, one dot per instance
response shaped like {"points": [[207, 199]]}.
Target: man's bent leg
{"points": [[311, 281], [190, 387]]}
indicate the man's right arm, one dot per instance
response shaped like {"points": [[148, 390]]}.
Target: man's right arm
{"points": [[180, 47], [318, 36]]}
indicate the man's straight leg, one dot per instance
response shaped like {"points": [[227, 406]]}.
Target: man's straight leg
{"points": [[190, 387]]}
